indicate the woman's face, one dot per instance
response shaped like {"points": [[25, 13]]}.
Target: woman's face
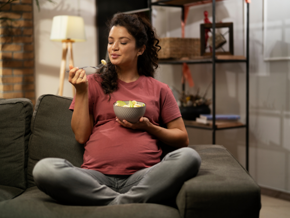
{"points": [[122, 47]]}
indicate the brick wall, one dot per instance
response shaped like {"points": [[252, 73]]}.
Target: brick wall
{"points": [[17, 51]]}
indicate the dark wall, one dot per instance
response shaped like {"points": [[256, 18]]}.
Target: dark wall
{"points": [[105, 11]]}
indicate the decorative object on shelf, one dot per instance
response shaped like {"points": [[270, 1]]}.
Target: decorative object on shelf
{"points": [[191, 113], [67, 29], [219, 38], [186, 75], [206, 31], [191, 106], [194, 101]]}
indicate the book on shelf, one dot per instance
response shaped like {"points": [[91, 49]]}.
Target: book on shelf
{"points": [[203, 121], [218, 124], [220, 117]]}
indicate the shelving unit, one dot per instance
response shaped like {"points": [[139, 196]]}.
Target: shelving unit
{"points": [[214, 59]]}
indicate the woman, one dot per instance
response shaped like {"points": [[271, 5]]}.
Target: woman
{"points": [[122, 160]]}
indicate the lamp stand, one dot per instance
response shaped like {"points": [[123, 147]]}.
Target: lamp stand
{"points": [[66, 48]]}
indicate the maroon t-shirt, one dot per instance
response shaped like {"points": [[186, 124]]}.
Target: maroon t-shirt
{"points": [[115, 150]]}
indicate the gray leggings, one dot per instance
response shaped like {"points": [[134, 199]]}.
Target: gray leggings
{"points": [[68, 184]]}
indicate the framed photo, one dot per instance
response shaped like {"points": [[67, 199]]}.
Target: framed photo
{"points": [[224, 37]]}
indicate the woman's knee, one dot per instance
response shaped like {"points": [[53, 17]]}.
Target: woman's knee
{"points": [[190, 155], [190, 160], [46, 169], [187, 158]]}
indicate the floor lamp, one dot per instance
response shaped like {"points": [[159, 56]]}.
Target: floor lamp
{"points": [[67, 29]]}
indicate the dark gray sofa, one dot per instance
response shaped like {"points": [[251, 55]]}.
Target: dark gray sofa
{"points": [[222, 187]]}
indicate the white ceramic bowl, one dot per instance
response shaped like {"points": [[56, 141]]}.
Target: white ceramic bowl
{"points": [[130, 114]]}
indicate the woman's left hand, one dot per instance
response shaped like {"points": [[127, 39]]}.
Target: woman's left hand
{"points": [[174, 134], [143, 123]]}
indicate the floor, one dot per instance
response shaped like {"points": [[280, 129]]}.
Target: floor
{"points": [[274, 208]]}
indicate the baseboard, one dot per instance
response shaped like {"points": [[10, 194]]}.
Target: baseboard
{"points": [[275, 193]]}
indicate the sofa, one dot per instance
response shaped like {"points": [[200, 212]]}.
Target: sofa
{"points": [[222, 188]]}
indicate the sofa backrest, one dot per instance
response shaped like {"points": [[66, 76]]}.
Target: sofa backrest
{"points": [[52, 135], [15, 117]]}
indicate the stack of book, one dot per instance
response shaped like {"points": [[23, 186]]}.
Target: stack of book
{"points": [[219, 118], [221, 121]]}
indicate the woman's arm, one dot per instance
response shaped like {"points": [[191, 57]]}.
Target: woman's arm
{"points": [[82, 120], [174, 135]]}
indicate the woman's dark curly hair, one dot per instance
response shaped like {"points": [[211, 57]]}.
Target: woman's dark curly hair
{"points": [[144, 34]]}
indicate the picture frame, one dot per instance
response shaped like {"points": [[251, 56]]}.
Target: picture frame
{"points": [[219, 39]]}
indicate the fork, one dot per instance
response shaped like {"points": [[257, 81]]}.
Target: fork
{"points": [[97, 67]]}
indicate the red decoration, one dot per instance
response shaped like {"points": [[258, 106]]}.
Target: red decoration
{"points": [[187, 75], [185, 69], [206, 20]]}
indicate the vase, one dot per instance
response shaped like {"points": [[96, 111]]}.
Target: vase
{"points": [[191, 113]]}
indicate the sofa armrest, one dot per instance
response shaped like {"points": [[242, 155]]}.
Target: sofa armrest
{"points": [[15, 123], [222, 188]]}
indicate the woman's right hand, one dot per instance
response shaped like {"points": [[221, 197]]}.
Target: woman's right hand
{"points": [[78, 78], [82, 120]]}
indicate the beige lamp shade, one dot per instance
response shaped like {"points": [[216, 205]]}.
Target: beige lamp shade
{"points": [[68, 27]]}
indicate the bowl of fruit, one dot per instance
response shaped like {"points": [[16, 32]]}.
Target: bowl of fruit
{"points": [[130, 111]]}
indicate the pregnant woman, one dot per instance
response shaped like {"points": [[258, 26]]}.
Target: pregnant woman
{"points": [[122, 161]]}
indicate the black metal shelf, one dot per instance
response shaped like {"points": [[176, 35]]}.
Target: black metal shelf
{"points": [[210, 60]]}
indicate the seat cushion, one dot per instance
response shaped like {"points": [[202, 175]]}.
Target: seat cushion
{"points": [[52, 135], [8, 192], [15, 118], [34, 204], [221, 187]]}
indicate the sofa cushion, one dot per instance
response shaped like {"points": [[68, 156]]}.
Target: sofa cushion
{"points": [[221, 187], [52, 135], [8, 192], [15, 117], [34, 204]]}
